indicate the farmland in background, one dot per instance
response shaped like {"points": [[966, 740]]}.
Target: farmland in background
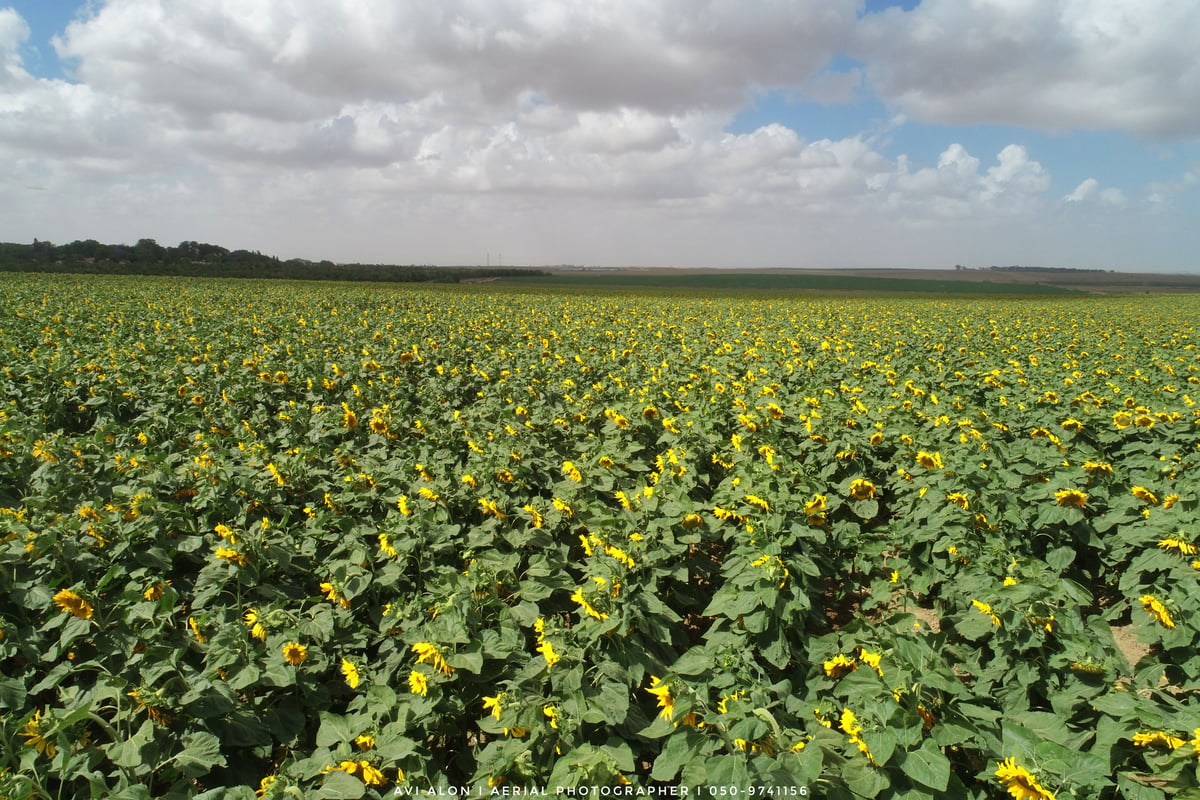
{"points": [[278, 539], [988, 281]]}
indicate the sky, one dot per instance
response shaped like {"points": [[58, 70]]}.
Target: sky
{"points": [[691, 133]]}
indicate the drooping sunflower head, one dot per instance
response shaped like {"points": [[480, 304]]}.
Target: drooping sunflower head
{"points": [[1019, 782], [35, 738], [1071, 498], [1144, 494], [1157, 610], [930, 460], [350, 673], [73, 604], [862, 489], [662, 692], [253, 621]]}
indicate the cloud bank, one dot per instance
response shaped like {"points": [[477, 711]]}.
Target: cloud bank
{"points": [[432, 130]]}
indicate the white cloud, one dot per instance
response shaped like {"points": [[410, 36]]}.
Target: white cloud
{"points": [[1084, 191], [1051, 64], [1089, 193], [956, 189], [13, 33]]}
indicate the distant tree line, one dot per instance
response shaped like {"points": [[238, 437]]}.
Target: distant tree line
{"points": [[198, 259]]}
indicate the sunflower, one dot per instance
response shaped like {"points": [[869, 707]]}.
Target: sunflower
{"points": [[986, 610], [492, 705], [546, 648], [1158, 739], [1155, 608], [871, 660], [35, 738], [227, 533], [334, 596], [663, 693], [757, 502], [1144, 494], [588, 608], [418, 683], [369, 774], [73, 604], [959, 499], [1020, 783], [350, 673], [849, 725], [1071, 498], [1186, 548], [930, 460], [428, 653], [862, 489], [839, 665], [231, 555], [551, 713], [815, 509], [254, 621], [294, 653]]}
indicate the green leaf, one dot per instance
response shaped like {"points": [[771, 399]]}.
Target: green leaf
{"points": [[865, 780], [134, 752], [865, 509], [286, 721], [12, 693], [610, 704], [727, 770], [696, 661], [201, 752], [334, 730], [928, 766], [681, 747], [470, 660], [338, 785], [1121, 705], [241, 729]]}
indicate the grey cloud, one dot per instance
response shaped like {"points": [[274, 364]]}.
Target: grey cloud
{"points": [[289, 61], [1050, 64]]}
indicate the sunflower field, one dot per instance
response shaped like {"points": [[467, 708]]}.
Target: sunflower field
{"points": [[282, 540]]}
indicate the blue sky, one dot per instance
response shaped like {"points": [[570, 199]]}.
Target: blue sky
{"points": [[794, 133], [46, 19]]}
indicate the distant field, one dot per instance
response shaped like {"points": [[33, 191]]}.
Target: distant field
{"points": [[989, 282], [727, 281]]}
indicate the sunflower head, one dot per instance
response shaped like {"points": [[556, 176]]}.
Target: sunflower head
{"points": [[295, 654]]}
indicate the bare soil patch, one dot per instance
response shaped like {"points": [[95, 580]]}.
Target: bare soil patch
{"points": [[1130, 646]]}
